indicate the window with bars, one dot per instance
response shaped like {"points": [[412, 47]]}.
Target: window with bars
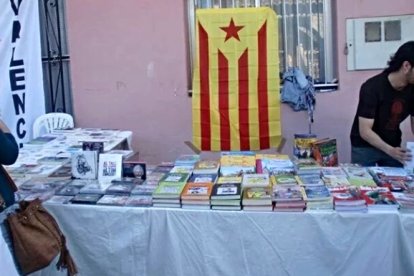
{"points": [[305, 30]]}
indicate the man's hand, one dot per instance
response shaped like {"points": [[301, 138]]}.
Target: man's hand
{"points": [[400, 154]]}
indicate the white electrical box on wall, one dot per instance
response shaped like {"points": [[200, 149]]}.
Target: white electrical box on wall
{"points": [[371, 41]]}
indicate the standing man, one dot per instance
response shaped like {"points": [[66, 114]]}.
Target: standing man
{"points": [[385, 100]]}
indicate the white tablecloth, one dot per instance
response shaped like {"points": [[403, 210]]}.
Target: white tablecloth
{"points": [[139, 241]]}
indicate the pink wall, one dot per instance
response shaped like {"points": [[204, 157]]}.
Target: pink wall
{"points": [[128, 63]]}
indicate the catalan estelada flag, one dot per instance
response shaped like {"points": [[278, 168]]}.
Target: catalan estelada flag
{"points": [[236, 80]]}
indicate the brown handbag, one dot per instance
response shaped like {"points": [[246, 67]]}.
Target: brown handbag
{"points": [[37, 239]]}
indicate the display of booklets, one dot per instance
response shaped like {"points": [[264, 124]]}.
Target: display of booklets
{"points": [[206, 167], [143, 190], [163, 168], [229, 179], [116, 200], [333, 172], [203, 178], [174, 178], [354, 171], [307, 166], [136, 169], [68, 190], [379, 198], [128, 180], [82, 182], [53, 160], [125, 153], [168, 190], [310, 180], [348, 200], [86, 198], [257, 196], [226, 191], [277, 165], [40, 141], [197, 191], [325, 152], [95, 188], [64, 172], [93, 146], [283, 193], [43, 196], [42, 184], [59, 199], [85, 164], [235, 163], [120, 188], [139, 201], [110, 167], [285, 179], [317, 193], [187, 159], [43, 170], [405, 200], [333, 181], [182, 169], [255, 180]]}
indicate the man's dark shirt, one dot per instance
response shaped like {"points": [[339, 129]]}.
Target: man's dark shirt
{"points": [[9, 150], [388, 107]]}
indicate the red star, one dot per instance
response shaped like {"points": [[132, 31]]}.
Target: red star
{"points": [[232, 30]]}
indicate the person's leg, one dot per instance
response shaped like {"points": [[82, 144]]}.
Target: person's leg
{"points": [[365, 156]]}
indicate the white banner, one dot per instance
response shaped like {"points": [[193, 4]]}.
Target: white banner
{"points": [[22, 98]]}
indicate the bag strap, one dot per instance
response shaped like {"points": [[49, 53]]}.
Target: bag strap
{"points": [[9, 180]]}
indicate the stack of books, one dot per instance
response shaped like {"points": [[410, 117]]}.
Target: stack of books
{"points": [[237, 163], [307, 166], [334, 177], [206, 167], [257, 199], [168, 192], [379, 199], [226, 194], [289, 198], [274, 164], [348, 200], [405, 200], [255, 180], [358, 176], [318, 198], [196, 195]]}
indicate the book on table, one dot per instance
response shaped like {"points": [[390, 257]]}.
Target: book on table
{"points": [[226, 191], [257, 196], [85, 164], [197, 191], [325, 152], [110, 167]]}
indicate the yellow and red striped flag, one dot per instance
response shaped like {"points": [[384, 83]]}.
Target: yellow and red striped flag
{"points": [[236, 80]]}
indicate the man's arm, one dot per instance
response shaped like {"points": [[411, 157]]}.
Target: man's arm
{"points": [[366, 132]]}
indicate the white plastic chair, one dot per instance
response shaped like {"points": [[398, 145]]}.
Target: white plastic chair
{"points": [[48, 122]]}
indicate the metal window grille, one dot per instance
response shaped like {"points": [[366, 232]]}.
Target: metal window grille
{"points": [[305, 28]]}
